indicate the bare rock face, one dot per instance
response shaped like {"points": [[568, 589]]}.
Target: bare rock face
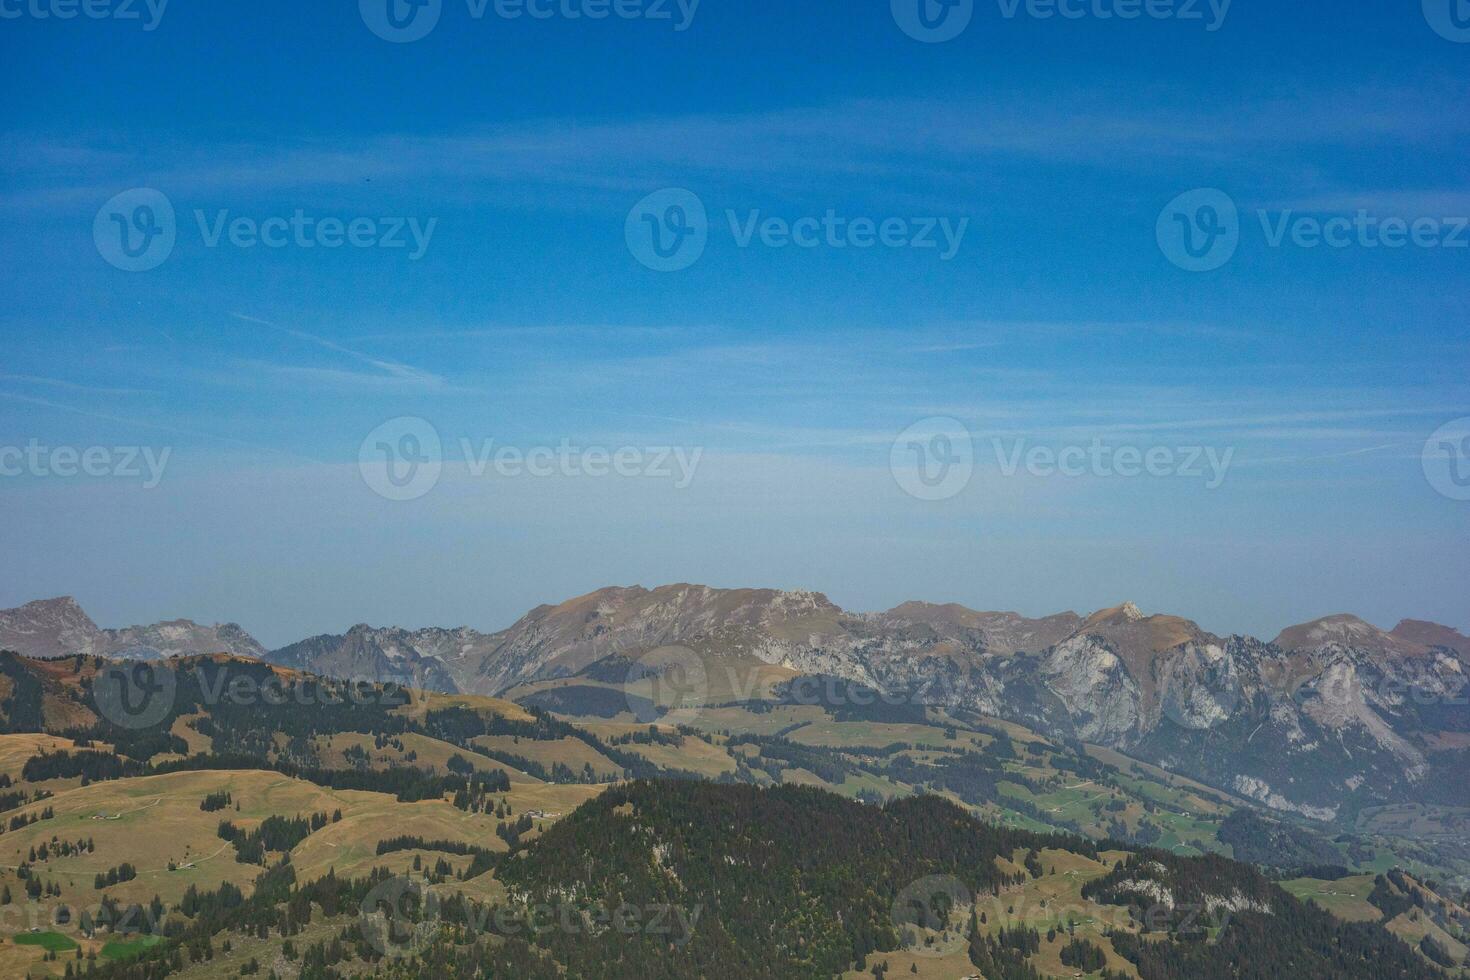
{"points": [[1199, 686], [52, 628], [181, 638], [381, 655], [1096, 688]]}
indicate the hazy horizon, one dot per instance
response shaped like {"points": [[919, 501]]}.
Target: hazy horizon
{"points": [[269, 639]]}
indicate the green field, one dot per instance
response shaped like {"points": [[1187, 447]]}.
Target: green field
{"points": [[1346, 898], [51, 942], [120, 949]]}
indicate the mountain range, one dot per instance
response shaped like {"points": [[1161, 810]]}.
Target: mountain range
{"points": [[59, 627], [1330, 718]]}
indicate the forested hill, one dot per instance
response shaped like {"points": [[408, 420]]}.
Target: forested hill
{"points": [[792, 881], [796, 882]]}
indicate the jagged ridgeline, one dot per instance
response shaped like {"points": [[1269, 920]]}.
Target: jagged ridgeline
{"points": [[1330, 719]]}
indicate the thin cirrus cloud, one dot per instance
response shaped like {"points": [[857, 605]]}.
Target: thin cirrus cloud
{"points": [[922, 141], [384, 373], [30, 380]]}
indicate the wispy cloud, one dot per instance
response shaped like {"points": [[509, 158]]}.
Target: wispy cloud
{"points": [[1441, 202], [385, 372], [931, 142], [80, 386], [172, 429]]}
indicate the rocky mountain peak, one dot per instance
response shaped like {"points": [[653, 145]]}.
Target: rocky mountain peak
{"points": [[1350, 632], [1419, 633], [50, 628], [1119, 615], [62, 605]]}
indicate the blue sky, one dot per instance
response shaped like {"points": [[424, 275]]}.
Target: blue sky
{"points": [[528, 319]]}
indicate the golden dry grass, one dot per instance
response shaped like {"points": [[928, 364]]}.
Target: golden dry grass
{"points": [[427, 753], [843, 734], [571, 752], [693, 753], [425, 701], [17, 748]]}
